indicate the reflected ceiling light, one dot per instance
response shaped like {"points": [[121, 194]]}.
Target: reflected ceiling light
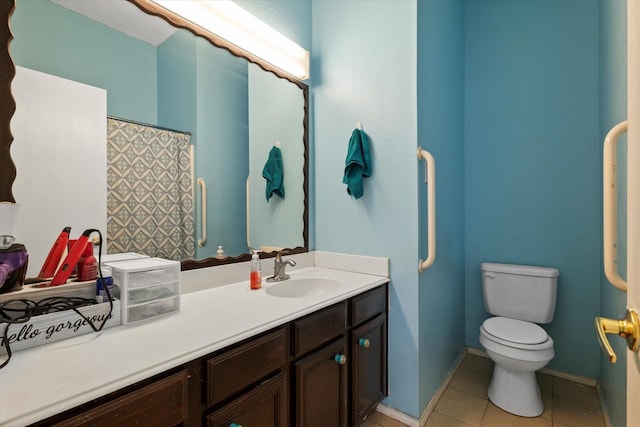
{"points": [[229, 21]]}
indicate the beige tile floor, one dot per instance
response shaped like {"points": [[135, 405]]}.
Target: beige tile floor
{"points": [[464, 403]]}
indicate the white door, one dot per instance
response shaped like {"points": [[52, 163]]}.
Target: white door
{"points": [[633, 202]]}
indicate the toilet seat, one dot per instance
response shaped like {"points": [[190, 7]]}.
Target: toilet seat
{"points": [[516, 333]]}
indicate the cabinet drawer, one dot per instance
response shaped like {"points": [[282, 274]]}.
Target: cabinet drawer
{"points": [[368, 305], [241, 367], [315, 329], [266, 406], [162, 403]]}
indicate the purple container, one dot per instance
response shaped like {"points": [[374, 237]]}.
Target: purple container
{"points": [[13, 267]]}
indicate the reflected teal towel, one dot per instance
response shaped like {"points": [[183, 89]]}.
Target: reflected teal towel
{"points": [[358, 163], [274, 174]]}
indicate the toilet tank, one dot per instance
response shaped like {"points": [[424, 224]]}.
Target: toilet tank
{"points": [[520, 291]]}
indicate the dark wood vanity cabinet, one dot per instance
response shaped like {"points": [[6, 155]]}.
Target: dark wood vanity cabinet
{"points": [[326, 369], [344, 376]]}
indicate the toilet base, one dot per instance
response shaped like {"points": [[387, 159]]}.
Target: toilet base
{"points": [[516, 392]]}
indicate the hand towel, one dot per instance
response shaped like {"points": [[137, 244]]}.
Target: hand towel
{"points": [[274, 174], [357, 164]]}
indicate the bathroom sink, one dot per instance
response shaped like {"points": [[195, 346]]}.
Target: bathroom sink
{"points": [[303, 287]]}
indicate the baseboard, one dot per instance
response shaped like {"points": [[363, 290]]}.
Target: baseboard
{"points": [[397, 415], [575, 378], [408, 419], [413, 422], [571, 377], [603, 406], [438, 394]]}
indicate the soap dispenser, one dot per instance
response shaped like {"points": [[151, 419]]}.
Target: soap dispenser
{"points": [[220, 253], [256, 272]]}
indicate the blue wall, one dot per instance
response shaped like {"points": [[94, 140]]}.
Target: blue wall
{"points": [[527, 173], [46, 39], [279, 221], [613, 109], [364, 68], [532, 160], [290, 17], [441, 131], [223, 139], [193, 77]]}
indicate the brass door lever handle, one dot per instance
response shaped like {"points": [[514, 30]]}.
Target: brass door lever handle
{"points": [[628, 328]]}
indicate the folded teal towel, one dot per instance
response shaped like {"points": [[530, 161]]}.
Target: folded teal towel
{"points": [[273, 172], [358, 163]]}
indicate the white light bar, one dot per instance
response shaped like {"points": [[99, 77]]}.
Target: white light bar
{"points": [[229, 21]]}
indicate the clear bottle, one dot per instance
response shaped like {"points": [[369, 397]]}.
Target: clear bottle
{"points": [[256, 272]]}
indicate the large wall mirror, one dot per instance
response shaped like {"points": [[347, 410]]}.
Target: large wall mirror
{"points": [[160, 74]]}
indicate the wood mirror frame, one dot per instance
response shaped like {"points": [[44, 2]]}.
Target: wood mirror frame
{"points": [[8, 106]]}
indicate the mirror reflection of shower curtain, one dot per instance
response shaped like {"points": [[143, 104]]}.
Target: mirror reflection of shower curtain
{"points": [[149, 191]]}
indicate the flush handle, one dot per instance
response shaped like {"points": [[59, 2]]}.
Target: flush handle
{"points": [[628, 328]]}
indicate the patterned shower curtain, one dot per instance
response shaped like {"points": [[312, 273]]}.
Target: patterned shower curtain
{"points": [[150, 191]]}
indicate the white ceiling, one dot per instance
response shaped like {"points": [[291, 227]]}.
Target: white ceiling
{"points": [[124, 17]]}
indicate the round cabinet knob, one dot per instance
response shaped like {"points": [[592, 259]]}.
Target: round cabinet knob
{"points": [[364, 342], [234, 425], [340, 359]]}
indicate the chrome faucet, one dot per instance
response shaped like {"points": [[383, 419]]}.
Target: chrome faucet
{"points": [[279, 267]]}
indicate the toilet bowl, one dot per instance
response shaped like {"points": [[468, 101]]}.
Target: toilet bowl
{"points": [[519, 297], [518, 349]]}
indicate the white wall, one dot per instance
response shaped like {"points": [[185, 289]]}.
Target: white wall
{"points": [[60, 132]]}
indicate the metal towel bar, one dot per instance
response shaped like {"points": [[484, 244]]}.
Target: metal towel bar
{"points": [[610, 208], [430, 176]]}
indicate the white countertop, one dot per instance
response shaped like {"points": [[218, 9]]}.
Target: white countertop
{"points": [[43, 381]]}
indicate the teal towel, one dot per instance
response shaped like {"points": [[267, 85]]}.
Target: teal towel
{"points": [[358, 163], [273, 172]]}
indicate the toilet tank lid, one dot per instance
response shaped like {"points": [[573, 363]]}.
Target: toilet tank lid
{"points": [[523, 270]]}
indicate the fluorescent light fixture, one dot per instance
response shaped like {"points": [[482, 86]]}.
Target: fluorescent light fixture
{"points": [[229, 21]]}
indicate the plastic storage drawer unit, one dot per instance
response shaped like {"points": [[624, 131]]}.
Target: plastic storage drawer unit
{"points": [[149, 287]]}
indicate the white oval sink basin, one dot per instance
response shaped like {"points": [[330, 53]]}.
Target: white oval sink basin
{"points": [[303, 287]]}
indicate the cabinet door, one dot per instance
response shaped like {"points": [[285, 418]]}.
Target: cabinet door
{"points": [[321, 387], [368, 367], [264, 406]]}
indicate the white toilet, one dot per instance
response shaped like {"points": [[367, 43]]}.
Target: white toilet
{"points": [[519, 296]]}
